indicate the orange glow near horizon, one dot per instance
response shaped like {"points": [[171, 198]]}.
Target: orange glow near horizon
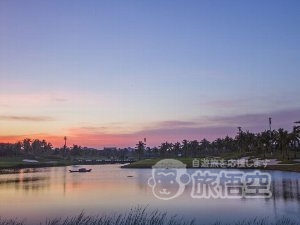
{"points": [[99, 141], [96, 141]]}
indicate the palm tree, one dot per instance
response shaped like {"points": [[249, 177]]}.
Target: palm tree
{"points": [[76, 150], [140, 148], [44, 145], [293, 138], [297, 136], [229, 143], [185, 147], [194, 146], [48, 147], [283, 140], [239, 138], [262, 142], [164, 148], [204, 144], [155, 150], [176, 148], [219, 144], [36, 146], [27, 145], [17, 147], [250, 141]]}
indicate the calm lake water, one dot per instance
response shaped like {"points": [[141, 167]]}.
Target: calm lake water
{"points": [[54, 192]]}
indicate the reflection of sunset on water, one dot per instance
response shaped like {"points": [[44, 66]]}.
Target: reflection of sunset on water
{"points": [[48, 192]]}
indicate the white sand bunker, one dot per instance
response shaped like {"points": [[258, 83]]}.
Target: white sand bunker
{"points": [[273, 162], [30, 161]]}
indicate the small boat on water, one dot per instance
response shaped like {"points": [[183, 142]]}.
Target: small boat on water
{"points": [[81, 170]]}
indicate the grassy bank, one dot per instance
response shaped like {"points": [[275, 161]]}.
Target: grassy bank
{"points": [[51, 161], [144, 216], [290, 168], [18, 163], [148, 163]]}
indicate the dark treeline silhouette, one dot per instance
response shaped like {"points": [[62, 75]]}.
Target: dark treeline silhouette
{"points": [[268, 143], [25, 147], [36, 148]]}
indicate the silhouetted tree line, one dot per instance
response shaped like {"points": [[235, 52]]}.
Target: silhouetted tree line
{"points": [[37, 147], [265, 143], [25, 147]]}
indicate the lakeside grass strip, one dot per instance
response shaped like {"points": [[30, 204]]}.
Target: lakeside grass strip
{"points": [[148, 163], [145, 216]]}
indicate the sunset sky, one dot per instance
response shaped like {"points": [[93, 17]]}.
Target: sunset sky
{"points": [[109, 73]]}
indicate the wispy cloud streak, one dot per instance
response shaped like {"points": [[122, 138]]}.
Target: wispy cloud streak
{"points": [[26, 118], [169, 130], [176, 123]]}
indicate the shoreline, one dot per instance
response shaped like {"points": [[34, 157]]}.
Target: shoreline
{"points": [[27, 165], [17, 168], [143, 164], [270, 168], [147, 164], [21, 163]]}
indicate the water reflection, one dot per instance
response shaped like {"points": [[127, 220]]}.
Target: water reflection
{"points": [[47, 192], [283, 186], [286, 189], [17, 171], [25, 179]]}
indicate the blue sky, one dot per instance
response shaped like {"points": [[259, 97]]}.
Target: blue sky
{"points": [[120, 70]]}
